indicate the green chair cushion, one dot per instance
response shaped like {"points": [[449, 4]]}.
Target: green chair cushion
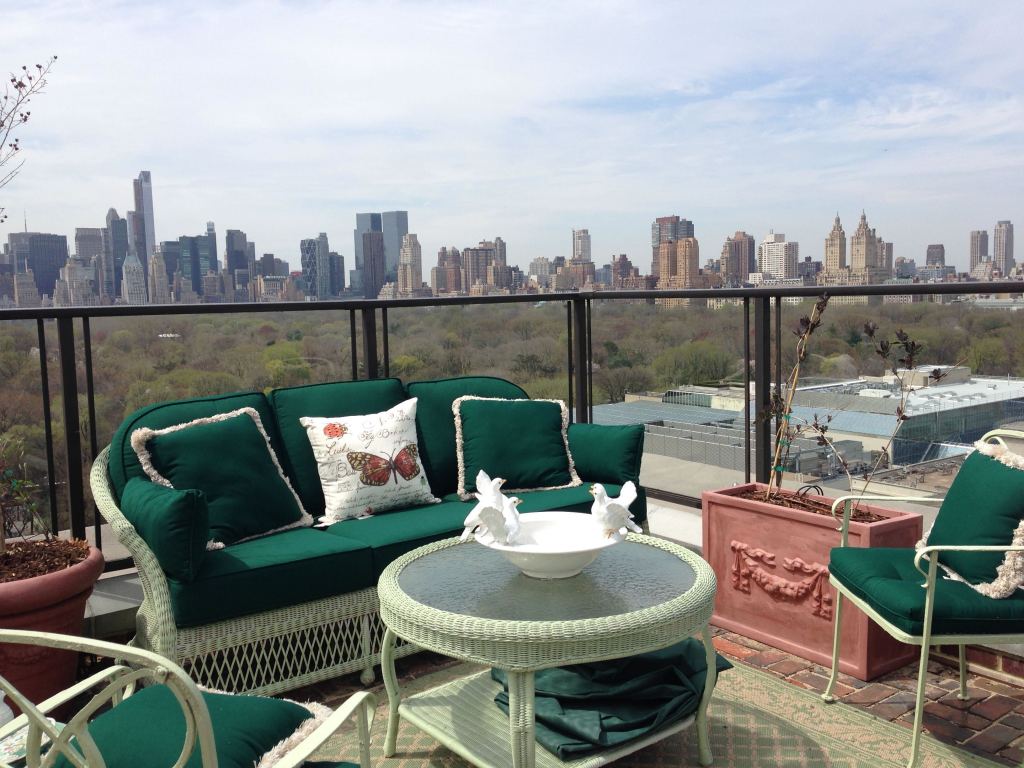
{"points": [[523, 441], [174, 524], [984, 506], [147, 730], [607, 453], [123, 463], [885, 578], [435, 425], [272, 572], [230, 461], [345, 398], [392, 534], [584, 708]]}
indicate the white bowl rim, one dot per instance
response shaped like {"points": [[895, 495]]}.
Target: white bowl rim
{"points": [[553, 516]]}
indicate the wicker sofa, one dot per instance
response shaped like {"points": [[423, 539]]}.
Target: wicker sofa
{"points": [[299, 606]]}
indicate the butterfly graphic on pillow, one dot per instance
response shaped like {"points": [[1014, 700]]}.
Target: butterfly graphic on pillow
{"points": [[376, 470]]}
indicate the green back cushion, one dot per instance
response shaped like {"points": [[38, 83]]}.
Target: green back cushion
{"points": [[346, 398], [984, 505], [174, 524], [148, 729], [435, 424], [229, 461], [606, 453], [124, 464], [522, 441]]}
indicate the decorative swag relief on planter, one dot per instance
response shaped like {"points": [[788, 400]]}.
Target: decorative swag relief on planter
{"points": [[771, 565]]}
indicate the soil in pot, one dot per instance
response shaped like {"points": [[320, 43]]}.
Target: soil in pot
{"points": [[26, 559], [801, 501]]}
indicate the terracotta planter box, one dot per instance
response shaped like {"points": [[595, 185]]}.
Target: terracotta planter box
{"points": [[772, 569]]}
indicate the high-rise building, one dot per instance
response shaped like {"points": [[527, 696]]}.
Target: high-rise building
{"points": [[864, 247], [678, 263], [374, 272], [44, 254], [26, 294], [446, 277], [979, 247], [835, 248], [337, 262], [117, 245], [170, 251], [88, 242], [365, 222], [410, 266], [935, 256], [211, 232], [159, 285], [197, 254], [485, 264], [1002, 247], [667, 229], [133, 281], [581, 245], [315, 258], [236, 251], [145, 237], [777, 257], [738, 252], [74, 287], [395, 226]]}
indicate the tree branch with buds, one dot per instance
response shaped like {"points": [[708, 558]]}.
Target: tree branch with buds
{"points": [[18, 92]]}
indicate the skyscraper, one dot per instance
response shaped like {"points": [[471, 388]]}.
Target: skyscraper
{"points": [[145, 238], [979, 247], [737, 253], [395, 225], [835, 248], [935, 256], [133, 281], [45, 255], [863, 247], [236, 256], [374, 272], [159, 286], [581, 245], [88, 242], [117, 243], [678, 263], [1002, 247], [776, 257], [365, 222], [667, 229], [446, 277], [211, 232], [410, 266], [337, 273]]}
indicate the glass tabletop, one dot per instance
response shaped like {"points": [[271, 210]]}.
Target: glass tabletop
{"points": [[472, 580]]}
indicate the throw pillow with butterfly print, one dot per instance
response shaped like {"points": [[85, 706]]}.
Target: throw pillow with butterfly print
{"points": [[368, 463]]}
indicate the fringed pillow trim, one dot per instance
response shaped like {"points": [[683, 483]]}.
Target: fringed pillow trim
{"points": [[282, 748]]}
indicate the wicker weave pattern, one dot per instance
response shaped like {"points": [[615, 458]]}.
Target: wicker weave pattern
{"points": [[264, 653]]}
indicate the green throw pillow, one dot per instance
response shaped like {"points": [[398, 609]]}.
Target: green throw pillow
{"points": [[228, 457], [174, 524], [523, 441], [984, 506], [607, 453]]}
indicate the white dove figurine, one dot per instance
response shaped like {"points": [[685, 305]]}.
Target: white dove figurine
{"points": [[495, 517], [613, 514]]}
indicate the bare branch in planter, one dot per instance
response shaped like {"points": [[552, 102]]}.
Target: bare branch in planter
{"points": [[14, 99]]}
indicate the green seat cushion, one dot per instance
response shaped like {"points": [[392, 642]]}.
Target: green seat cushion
{"points": [[272, 572], [123, 463], [147, 730], [346, 398], [174, 524], [392, 534], [984, 506], [523, 441], [435, 424], [229, 460], [607, 453], [885, 578]]}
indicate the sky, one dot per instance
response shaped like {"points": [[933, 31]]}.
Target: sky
{"points": [[525, 120]]}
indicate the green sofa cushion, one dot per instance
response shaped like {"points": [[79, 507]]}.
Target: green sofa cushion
{"points": [[435, 424], [392, 534], [886, 579], [984, 505], [607, 453], [229, 460], [124, 464], [174, 524], [276, 571], [523, 441], [147, 730], [345, 398]]}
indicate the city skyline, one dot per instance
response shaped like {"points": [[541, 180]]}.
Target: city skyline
{"points": [[838, 109]]}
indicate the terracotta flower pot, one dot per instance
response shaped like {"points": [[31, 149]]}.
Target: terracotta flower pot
{"points": [[772, 569], [51, 603]]}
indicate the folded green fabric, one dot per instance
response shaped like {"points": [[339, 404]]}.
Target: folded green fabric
{"points": [[585, 708]]}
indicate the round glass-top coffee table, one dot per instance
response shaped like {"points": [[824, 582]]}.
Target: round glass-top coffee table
{"points": [[466, 601]]}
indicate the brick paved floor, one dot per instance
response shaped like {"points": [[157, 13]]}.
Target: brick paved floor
{"points": [[989, 723]]}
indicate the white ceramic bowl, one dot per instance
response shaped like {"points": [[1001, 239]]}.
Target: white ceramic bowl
{"points": [[555, 545]]}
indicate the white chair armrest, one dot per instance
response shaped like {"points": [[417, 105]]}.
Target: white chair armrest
{"points": [[927, 551], [363, 704]]}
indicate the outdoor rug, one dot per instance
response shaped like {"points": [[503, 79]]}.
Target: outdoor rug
{"points": [[757, 721]]}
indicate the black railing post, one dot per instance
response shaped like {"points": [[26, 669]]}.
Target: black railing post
{"points": [[762, 387], [384, 332], [370, 341], [579, 354], [72, 425], [353, 345]]}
